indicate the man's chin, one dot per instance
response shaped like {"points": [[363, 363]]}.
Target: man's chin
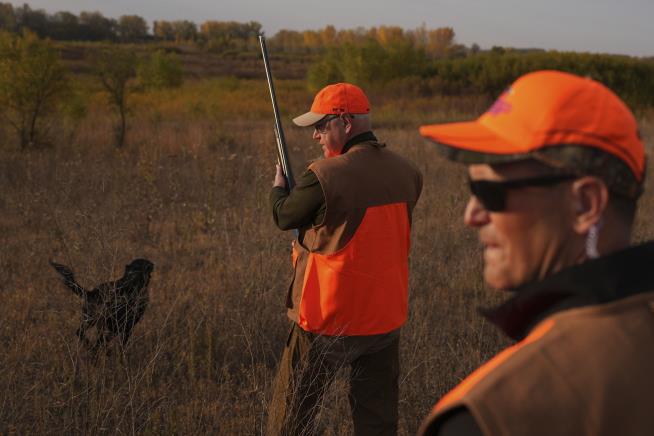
{"points": [[495, 280]]}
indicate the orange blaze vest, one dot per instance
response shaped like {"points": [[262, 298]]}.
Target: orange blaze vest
{"points": [[351, 271]]}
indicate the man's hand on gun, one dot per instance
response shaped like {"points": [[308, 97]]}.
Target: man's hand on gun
{"points": [[280, 179]]}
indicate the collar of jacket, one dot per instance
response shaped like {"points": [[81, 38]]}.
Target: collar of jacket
{"points": [[358, 139], [602, 280]]}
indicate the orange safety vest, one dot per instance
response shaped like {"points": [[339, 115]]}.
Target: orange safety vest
{"points": [[353, 267]]}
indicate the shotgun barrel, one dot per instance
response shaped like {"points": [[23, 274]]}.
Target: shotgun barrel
{"points": [[282, 151]]}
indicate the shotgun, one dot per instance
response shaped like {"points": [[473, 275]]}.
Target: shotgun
{"points": [[282, 151]]}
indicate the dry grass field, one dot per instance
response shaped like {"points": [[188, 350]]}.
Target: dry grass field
{"points": [[190, 192]]}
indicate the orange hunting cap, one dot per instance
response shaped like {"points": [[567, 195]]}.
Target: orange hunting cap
{"points": [[543, 115], [340, 98]]}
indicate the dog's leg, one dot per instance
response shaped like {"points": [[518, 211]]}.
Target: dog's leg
{"points": [[81, 331], [87, 322], [102, 341], [81, 334]]}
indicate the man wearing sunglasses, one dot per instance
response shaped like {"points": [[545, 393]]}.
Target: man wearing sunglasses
{"points": [[348, 298], [555, 170]]}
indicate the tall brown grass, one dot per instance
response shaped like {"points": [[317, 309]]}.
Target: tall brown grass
{"points": [[190, 193]]}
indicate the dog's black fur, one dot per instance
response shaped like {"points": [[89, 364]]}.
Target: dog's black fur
{"points": [[113, 308]]}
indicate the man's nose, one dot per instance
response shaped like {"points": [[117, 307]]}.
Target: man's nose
{"points": [[316, 135], [476, 214]]}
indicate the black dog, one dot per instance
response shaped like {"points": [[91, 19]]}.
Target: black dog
{"points": [[115, 307]]}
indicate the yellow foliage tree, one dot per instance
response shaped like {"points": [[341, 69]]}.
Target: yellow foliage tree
{"points": [[439, 41], [389, 35], [328, 36], [312, 39], [163, 30]]}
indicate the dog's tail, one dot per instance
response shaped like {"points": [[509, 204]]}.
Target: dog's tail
{"points": [[69, 279]]}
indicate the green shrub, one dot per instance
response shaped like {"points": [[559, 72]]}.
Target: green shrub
{"points": [[324, 72], [367, 64], [75, 105], [160, 70], [32, 82]]}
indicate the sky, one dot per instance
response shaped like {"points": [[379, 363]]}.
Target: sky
{"points": [[602, 26]]}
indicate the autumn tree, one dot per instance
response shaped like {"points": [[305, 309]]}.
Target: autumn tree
{"points": [[352, 36], [132, 28], [328, 36], [163, 30], [389, 35], [116, 67], [32, 80], [65, 26], [180, 30], [96, 27], [419, 36], [311, 39], [185, 30], [7, 17], [36, 20], [222, 35], [288, 40], [439, 41]]}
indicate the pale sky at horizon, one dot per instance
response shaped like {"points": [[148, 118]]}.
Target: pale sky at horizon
{"points": [[578, 25]]}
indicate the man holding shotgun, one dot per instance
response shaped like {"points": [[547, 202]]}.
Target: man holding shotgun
{"points": [[348, 298]]}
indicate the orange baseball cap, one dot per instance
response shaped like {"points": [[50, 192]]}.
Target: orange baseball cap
{"points": [[340, 98], [543, 110]]}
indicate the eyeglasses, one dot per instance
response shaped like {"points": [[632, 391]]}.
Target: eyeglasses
{"points": [[492, 194], [321, 126]]}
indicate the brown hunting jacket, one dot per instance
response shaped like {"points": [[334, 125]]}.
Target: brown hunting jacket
{"points": [[367, 174], [584, 363]]}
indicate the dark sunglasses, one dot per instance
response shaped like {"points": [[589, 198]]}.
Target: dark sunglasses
{"points": [[321, 126], [492, 194]]}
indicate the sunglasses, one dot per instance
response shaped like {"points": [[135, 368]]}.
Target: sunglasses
{"points": [[492, 194], [321, 126]]}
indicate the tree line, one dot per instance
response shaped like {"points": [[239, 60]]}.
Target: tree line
{"points": [[94, 26], [214, 34], [490, 72], [410, 66], [87, 26], [436, 43]]}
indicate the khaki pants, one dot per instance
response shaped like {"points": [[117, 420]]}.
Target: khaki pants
{"points": [[309, 365]]}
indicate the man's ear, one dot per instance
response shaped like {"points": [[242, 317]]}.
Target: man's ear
{"points": [[591, 198], [347, 123]]}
